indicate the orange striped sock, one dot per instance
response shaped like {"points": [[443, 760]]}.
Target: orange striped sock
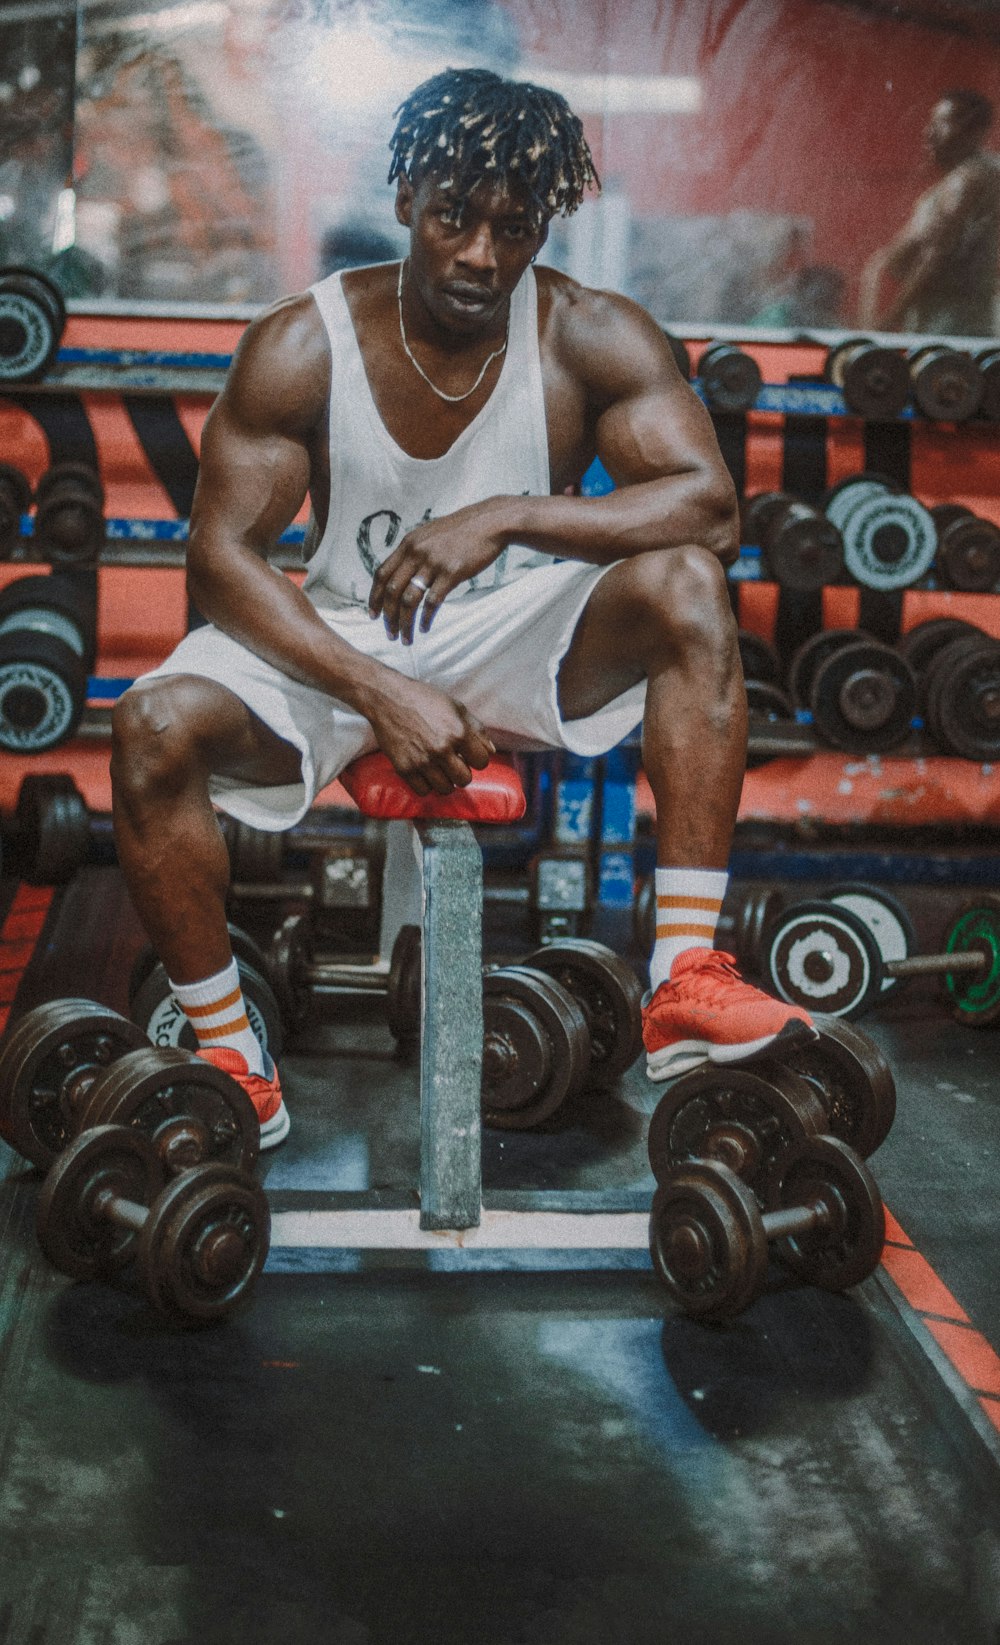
{"points": [[217, 1012], [688, 903]]}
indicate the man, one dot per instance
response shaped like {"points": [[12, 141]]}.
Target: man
{"points": [[436, 412], [944, 262]]}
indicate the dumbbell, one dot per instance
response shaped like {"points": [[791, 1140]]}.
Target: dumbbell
{"points": [[69, 514], [862, 695], [962, 697], [32, 318], [801, 548], [825, 957], [921, 644], [71, 1064], [15, 500], [968, 551], [200, 1239], [947, 383], [709, 1239], [47, 639], [889, 538], [745, 924], [748, 1117], [874, 380], [730, 379]]}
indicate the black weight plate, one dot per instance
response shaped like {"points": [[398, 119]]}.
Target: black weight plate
{"points": [[402, 1000], [947, 383], [756, 912], [968, 556], [204, 1244], [730, 379], [803, 550], [681, 354], [742, 1118], [49, 1061], [963, 699], [874, 380], [191, 1111], [43, 692], [609, 995], [826, 1171], [51, 604], [767, 705], [53, 828], [556, 1073], [921, 644], [863, 698], [973, 997], [760, 659], [886, 919], [759, 512], [81, 477], [852, 1080], [32, 316], [288, 957], [156, 1010], [106, 1161], [812, 653], [256, 855], [823, 958], [707, 1240]]}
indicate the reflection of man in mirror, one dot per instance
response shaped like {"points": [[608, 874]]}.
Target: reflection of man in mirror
{"points": [[944, 262], [439, 412]]}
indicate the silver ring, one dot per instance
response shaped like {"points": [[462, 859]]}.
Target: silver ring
{"points": [[420, 583]]}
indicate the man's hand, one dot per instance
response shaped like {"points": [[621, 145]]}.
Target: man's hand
{"points": [[434, 558], [432, 740]]}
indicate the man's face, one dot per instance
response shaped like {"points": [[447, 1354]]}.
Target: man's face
{"points": [[467, 256], [947, 134]]}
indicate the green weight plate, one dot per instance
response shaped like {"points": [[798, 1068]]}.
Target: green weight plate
{"points": [[974, 996]]}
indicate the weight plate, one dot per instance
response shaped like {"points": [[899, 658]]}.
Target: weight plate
{"points": [[886, 919], [730, 379], [609, 995], [256, 855], [191, 1111], [968, 556], [921, 644], [530, 1068], [803, 549], [766, 706], [707, 1240], [157, 1011], [857, 488], [812, 653], [875, 381], [53, 828], [852, 1079], [55, 604], [679, 350], [15, 500], [109, 1162], [947, 383], [889, 542], [49, 1061], [759, 512], [963, 699], [756, 912], [402, 1000], [863, 698], [760, 659], [644, 915], [823, 958], [974, 996], [32, 316], [743, 1119], [825, 1172], [43, 692], [82, 477], [204, 1244]]}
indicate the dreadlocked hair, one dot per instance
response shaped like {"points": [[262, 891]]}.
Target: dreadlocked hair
{"points": [[470, 126]]}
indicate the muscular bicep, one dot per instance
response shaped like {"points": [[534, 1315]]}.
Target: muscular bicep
{"points": [[255, 457]]}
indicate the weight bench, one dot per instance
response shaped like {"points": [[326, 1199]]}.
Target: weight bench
{"points": [[433, 878]]}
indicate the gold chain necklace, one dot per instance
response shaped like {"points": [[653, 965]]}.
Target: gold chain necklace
{"points": [[452, 398]]}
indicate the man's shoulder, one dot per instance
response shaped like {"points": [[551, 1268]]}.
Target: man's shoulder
{"points": [[281, 370], [584, 318]]}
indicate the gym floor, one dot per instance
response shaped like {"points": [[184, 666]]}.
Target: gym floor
{"points": [[486, 1450]]}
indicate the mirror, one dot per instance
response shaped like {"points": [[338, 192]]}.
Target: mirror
{"points": [[769, 167]]}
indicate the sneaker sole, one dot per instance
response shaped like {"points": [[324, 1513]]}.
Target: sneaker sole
{"points": [[275, 1129], [674, 1060]]}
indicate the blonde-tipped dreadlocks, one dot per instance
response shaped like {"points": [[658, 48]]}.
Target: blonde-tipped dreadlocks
{"points": [[469, 126]]}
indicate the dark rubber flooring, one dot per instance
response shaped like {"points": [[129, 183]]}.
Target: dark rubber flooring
{"points": [[371, 1453]]}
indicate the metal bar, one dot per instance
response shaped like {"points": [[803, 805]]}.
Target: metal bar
{"points": [[451, 1027], [932, 965], [496, 1230]]}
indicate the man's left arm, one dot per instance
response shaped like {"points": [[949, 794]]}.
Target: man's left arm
{"points": [[654, 437]]}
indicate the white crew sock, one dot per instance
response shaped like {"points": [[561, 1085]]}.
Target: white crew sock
{"points": [[217, 1012], [688, 901]]}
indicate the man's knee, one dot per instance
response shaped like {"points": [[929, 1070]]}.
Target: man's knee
{"points": [[680, 596], [155, 731]]}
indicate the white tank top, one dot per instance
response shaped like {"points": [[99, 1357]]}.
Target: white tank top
{"points": [[378, 492]]}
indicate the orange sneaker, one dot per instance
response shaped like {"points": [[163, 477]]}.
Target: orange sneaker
{"points": [[264, 1091], [705, 1012]]}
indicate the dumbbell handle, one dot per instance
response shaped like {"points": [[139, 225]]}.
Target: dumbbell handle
{"points": [[931, 965], [797, 1219], [112, 1208]]}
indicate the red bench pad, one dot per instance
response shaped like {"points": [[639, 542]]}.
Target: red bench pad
{"points": [[494, 795]]}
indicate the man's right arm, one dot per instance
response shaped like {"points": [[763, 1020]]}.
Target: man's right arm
{"points": [[254, 477]]}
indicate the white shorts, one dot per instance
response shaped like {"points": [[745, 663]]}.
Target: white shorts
{"points": [[497, 651]]}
